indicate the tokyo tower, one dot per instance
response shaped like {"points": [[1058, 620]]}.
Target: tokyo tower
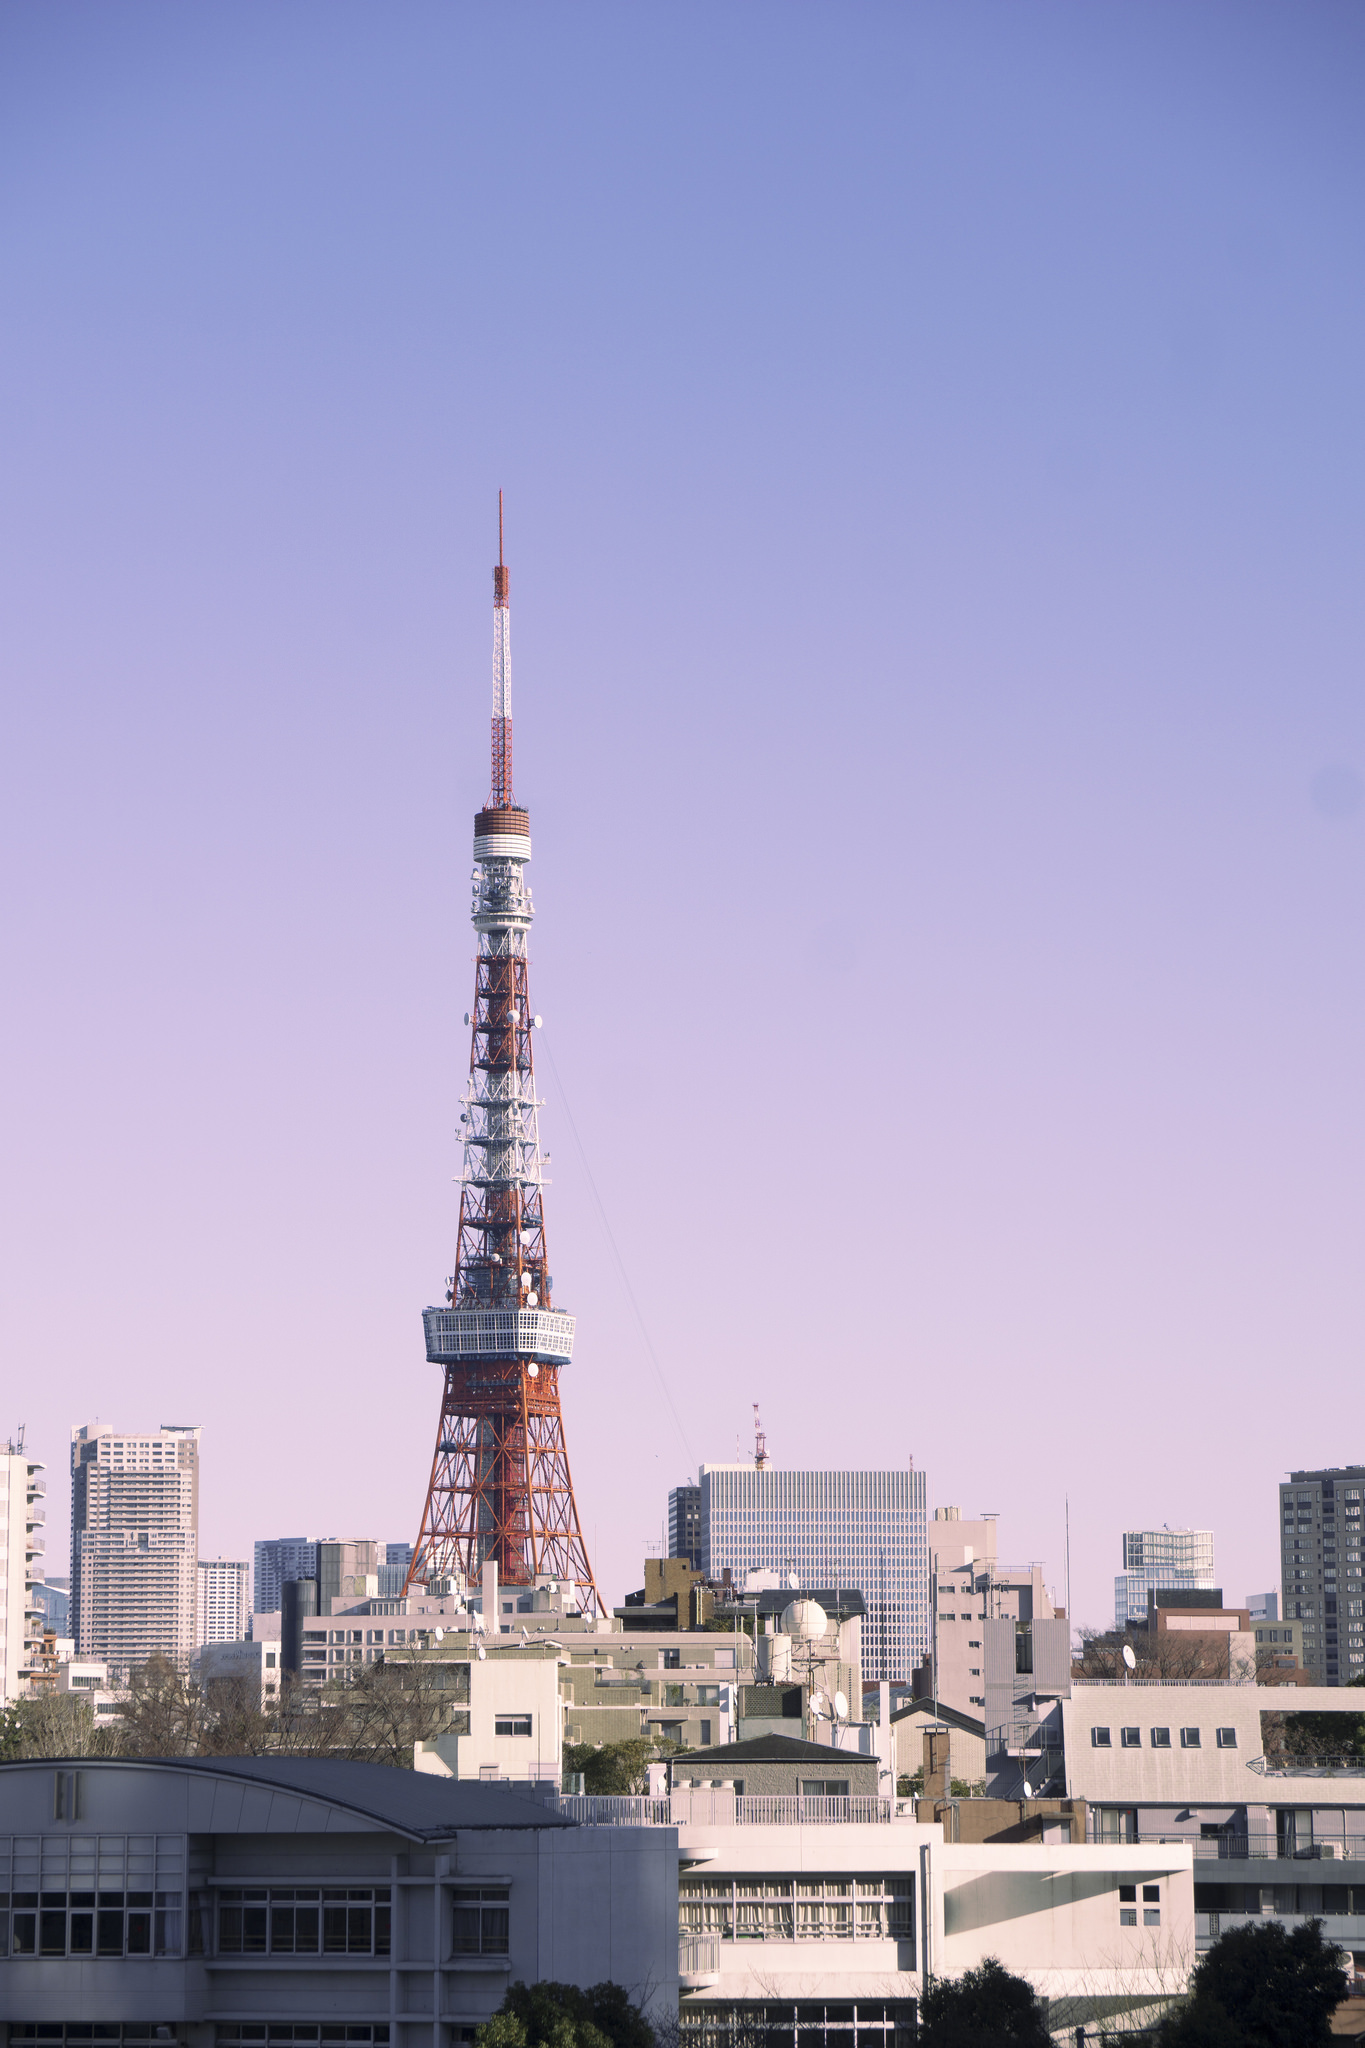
{"points": [[500, 1489]]}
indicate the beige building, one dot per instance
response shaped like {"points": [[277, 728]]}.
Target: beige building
{"points": [[23, 1513], [134, 1545], [970, 1587]]}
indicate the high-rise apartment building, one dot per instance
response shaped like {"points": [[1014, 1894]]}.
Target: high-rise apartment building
{"points": [[347, 1569], [224, 1603], [1160, 1560], [860, 1531], [684, 1524], [277, 1559], [1320, 1560], [23, 1514], [134, 1544]]}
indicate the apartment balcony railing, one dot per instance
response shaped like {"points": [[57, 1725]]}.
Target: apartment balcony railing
{"points": [[1240, 1848], [715, 1808], [1170, 1684]]}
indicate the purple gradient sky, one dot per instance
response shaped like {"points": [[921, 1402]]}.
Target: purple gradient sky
{"points": [[933, 447]]}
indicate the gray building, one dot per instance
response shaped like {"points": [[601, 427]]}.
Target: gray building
{"points": [[1320, 1569], [272, 1899], [684, 1524], [279, 1558]]}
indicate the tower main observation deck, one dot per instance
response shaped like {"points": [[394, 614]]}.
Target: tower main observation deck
{"points": [[500, 1489]]}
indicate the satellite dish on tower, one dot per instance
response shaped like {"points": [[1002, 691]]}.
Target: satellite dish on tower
{"points": [[840, 1706], [804, 1618], [818, 1703]]}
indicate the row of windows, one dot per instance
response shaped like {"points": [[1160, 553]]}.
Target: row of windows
{"points": [[325, 2031], [809, 2024], [804, 1909], [1160, 1738], [61, 1923], [352, 1922]]}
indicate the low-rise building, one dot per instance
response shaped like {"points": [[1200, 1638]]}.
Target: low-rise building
{"points": [[253, 1663], [243, 1897], [1271, 1833]]}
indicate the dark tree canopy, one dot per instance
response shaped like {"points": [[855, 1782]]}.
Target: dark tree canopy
{"points": [[615, 1767], [984, 2008], [1262, 1987], [561, 2016]]}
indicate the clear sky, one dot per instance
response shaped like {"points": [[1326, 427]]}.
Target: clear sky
{"points": [[932, 438]]}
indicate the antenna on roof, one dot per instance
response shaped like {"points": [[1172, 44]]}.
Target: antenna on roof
{"points": [[760, 1442]]}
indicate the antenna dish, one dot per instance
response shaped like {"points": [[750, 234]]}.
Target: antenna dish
{"points": [[841, 1706], [483, 1654], [1028, 1789], [818, 1703], [438, 1635], [1129, 1659], [804, 1618]]}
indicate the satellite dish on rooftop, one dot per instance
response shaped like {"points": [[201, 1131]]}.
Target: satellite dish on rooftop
{"points": [[805, 1618], [1129, 1659], [438, 1635], [1028, 1789], [818, 1703], [841, 1706], [483, 1654]]}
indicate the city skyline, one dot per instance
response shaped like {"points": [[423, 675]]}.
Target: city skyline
{"points": [[930, 442]]}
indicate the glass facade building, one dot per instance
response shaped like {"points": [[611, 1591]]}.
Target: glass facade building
{"points": [[1160, 1560], [863, 1531]]}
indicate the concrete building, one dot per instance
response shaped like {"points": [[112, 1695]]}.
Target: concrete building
{"points": [[393, 1569], [1159, 1558], [506, 1723], [223, 1608], [1271, 1834], [23, 1543], [968, 1588], [134, 1544], [347, 1570], [863, 1530], [276, 1559], [88, 1680], [257, 1895], [684, 1524], [1263, 1607], [1320, 1523], [253, 1664]]}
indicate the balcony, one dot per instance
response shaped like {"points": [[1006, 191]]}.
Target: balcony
{"points": [[716, 1808], [1261, 1847], [698, 1961]]}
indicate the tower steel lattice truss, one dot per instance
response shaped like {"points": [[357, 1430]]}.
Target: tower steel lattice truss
{"points": [[500, 1488]]}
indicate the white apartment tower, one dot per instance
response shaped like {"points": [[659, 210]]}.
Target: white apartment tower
{"points": [[23, 1512], [224, 1603], [863, 1531], [134, 1544]]}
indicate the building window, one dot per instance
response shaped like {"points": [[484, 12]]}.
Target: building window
{"points": [[62, 1923], [1131, 1738], [304, 1921], [1227, 1738], [1161, 1738], [1099, 1738], [512, 1724], [255, 2032], [775, 1908], [1189, 1738], [481, 1921]]}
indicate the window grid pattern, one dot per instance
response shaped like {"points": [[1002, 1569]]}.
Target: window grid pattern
{"points": [[844, 1908], [866, 1531], [91, 1895], [296, 1920]]}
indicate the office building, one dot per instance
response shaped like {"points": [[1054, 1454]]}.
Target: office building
{"points": [[1263, 1607], [23, 1515], [347, 1570], [1156, 1560], [684, 1524], [134, 1545], [1320, 1569], [393, 1570], [860, 1530], [52, 1596], [224, 1604], [278, 1558]]}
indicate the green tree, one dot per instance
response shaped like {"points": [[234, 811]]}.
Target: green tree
{"points": [[1326, 1734], [984, 2008], [615, 1767], [561, 2016], [1260, 1987]]}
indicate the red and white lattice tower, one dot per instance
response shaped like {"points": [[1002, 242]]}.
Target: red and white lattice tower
{"points": [[500, 1490]]}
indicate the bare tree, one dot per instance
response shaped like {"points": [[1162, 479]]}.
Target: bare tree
{"points": [[54, 1724]]}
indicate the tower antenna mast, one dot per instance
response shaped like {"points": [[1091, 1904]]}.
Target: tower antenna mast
{"points": [[500, 1491]]}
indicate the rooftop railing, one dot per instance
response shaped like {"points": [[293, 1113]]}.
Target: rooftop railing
{"points": [[1262, 1847], [712, 1807], [1309, 1766]]}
